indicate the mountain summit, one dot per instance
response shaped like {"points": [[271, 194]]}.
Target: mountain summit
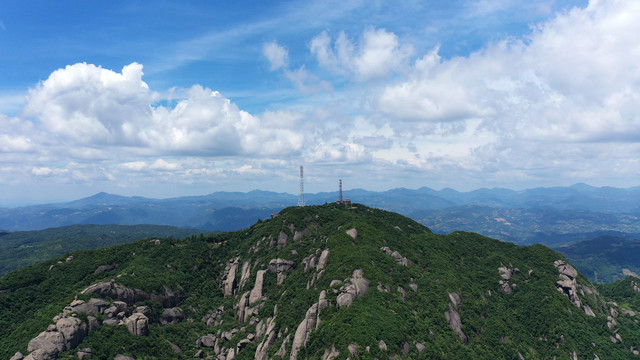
{"points": [[315, 282]]}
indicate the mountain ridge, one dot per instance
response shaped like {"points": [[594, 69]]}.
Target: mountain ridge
{"points": [[316, 282], [183, 211]]}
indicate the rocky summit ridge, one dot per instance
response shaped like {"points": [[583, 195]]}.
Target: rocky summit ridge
{"points": [[315, 282]]}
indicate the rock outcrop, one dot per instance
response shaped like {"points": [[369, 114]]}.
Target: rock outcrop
{"points": [[230, 279], [171, 316], [506, 273], [73, 331], [116, 291], [357, 285], [353, 233], [138, 324], [330, 354], [568, 285], [453, 317], [282, 240], [256, 292], [66, 334], [396, 256], [280, 267], [267, 328], [311, 322]]}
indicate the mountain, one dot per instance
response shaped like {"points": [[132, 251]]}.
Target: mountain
{"points": [[23, 248], [549, 226], [316, 282], [605, 258]]}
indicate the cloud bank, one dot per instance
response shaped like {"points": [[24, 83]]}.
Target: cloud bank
{"points": [[559, 104]]}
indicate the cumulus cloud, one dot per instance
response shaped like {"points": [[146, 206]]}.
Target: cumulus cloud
{"points": [[96, 107], [349, 153], [575, 78], [277, 55], [376, 54]]}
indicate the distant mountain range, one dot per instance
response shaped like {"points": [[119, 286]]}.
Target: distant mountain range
{"points": [[544, 215]]}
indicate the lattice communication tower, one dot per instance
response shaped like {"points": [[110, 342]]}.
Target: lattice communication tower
{"points": [[301, 197], [340, 199]]}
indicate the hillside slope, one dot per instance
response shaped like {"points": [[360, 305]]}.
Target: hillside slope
{"points": [[317, 282], [605, 258], [24, 248]]}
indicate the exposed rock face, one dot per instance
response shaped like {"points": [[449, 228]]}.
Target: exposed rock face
{"points": [[131, 296], [311, 321], [506, 273], [124, 357], [104, 268], [207, 341], [171, 316], [49, 343], [396, 256], [138, 324], [280, 266], [382, 345], [330, 354], [214, 317], [84, 354], [256, 292], [299, 235], [269, 329], [94, 306], [73, 330], [353, 233], [315, 262], [357, 285], [246, 272], [453, 317], [66, 334], [230, 281], [283, 348], [282, 240], [456, 323], [568, 285], [324, 257]]}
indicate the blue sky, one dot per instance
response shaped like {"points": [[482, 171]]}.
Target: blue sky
{"points": [[166, 99]]}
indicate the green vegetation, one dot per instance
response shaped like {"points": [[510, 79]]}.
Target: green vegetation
{"points": [[605, 258], [534, 320], [23, 248]]}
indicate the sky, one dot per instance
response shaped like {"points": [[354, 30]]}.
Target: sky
{"points": [[164, 99]]}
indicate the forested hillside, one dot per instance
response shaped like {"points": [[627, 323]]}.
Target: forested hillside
{"points": [[316, 282]]}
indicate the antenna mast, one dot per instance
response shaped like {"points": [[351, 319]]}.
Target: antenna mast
{"points": [[301, 197], [340, 199]]}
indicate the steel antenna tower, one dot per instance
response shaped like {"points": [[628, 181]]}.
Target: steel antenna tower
{"points": [[340, 198], [301, 197]]}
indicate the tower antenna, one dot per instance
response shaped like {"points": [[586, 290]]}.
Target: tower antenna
{"points": [[340, 198], [301, 197]]}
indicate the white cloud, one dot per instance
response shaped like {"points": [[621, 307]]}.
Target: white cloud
{"points": [[163, 165], [15, 135], [92, 105], [41, 171], [135, 165], [335, 152], [377, 54], [96, 108], [575, 78], [277, 55]]}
